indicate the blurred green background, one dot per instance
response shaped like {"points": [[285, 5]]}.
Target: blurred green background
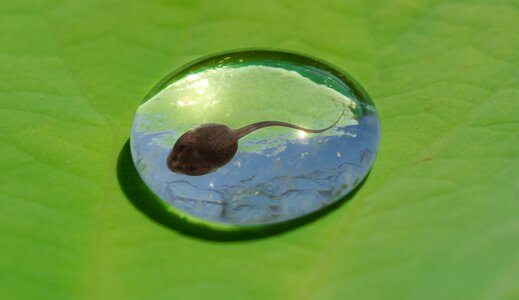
{"points": [[438, 217]]}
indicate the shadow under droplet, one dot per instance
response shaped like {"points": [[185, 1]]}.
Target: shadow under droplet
{"points": [[157, 210]]}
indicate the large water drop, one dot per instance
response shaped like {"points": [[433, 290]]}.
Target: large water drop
{"points": [[277, 173]]}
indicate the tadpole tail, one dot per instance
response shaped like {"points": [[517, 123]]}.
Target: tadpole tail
{"points": [[255, 126]]}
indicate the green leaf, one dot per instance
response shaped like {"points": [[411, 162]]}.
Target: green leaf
{"points": [[436, 218]]}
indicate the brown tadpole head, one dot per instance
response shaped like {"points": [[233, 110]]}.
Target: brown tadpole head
{"points": [[203, 149]]}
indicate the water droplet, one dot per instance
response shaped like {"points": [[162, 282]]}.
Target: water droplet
{"points": [[277, 173]]}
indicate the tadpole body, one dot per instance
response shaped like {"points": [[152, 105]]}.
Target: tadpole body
{"points": [[207, 147]]}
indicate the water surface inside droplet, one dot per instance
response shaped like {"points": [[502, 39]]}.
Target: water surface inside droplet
{"points": [[277, 173]]}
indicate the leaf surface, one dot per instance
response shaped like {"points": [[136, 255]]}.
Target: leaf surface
{"points": [[436, 218]]}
